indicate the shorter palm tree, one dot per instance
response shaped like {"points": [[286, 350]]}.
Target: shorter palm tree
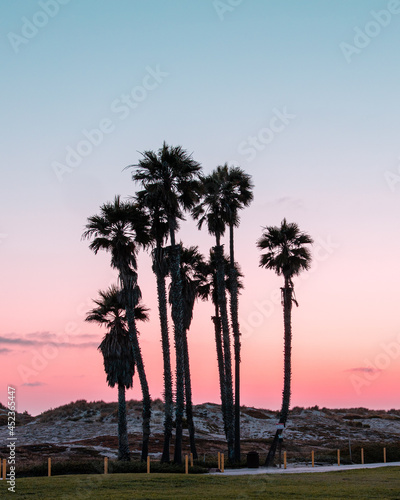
{"points": [[191, 263], [117, 353], [287, 256], [120, 229], [207, 275]]}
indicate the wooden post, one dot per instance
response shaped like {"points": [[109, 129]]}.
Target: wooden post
{"points": [[191, 459], [219, 460], [284, 459], [4, 468], [49, 467], [105, 465], [148, 464], [362, 456], [312, 458], [222, 462], [186, 464], [384, 455], [338, 457]]}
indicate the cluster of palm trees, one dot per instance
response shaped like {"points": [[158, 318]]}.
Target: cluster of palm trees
{"points": [[171, 184]]}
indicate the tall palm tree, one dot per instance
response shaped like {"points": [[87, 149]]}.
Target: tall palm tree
{"points": [[159, 229], [120, 228], [237, 193], [171, 174], [213, 211], [287, 255], [116, 349]]}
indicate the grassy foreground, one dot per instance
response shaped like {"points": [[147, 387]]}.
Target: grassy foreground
{"points": [[379, 484]]}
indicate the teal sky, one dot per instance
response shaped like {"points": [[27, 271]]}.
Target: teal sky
{"points": [[223, 72]]}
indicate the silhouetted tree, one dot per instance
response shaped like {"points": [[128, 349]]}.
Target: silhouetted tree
{"points": [[237, 194], [191, 262], [213, 211], [119, 229], [287, 255], [208, 289], [151, 201], [116, 349], [172, 175]]}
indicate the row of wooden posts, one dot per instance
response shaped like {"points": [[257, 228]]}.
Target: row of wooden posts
{"points": [[338, 457], [221, 462], [187, 459]]}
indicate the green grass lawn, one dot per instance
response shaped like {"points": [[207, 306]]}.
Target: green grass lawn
{"points": [[380, 484]]}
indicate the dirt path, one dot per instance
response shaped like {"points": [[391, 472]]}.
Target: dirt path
{"points": [[295, 469]]}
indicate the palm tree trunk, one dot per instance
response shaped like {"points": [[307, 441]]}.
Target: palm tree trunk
{"points": [[168, 404], [227, 349], [123, 445], [177, 317], [188, 396], [221, 365], [287, 317], [133, 337], [236, 337], [287, 293], [269, 462]]}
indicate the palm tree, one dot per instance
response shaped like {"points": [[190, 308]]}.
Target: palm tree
{"points": [[116, 348], [213, 211], [171, 174], [120, 228], [287, 256], [191, 264], [237, 194], [159, 231], [208, 289]]}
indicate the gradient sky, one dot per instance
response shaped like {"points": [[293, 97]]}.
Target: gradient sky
{"points": [[303, 95]]}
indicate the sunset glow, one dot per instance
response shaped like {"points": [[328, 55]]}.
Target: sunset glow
{"points": [[268, 86]]}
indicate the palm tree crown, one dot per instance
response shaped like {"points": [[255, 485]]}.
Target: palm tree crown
{"points": [[213, 209], [285, 251], [116, 347], [170, 177], [118, 229], [236, 188], [192, 262]]}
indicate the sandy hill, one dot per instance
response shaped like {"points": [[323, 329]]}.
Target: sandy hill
{"points": [[90, 429]]}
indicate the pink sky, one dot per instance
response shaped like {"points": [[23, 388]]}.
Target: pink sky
{"points": [[342, 357], [331, 165]]}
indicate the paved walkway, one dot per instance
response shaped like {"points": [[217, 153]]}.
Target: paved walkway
{"points": [[295, 469]]}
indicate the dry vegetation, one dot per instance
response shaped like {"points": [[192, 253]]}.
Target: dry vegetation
{"points": [[82, 430]]}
